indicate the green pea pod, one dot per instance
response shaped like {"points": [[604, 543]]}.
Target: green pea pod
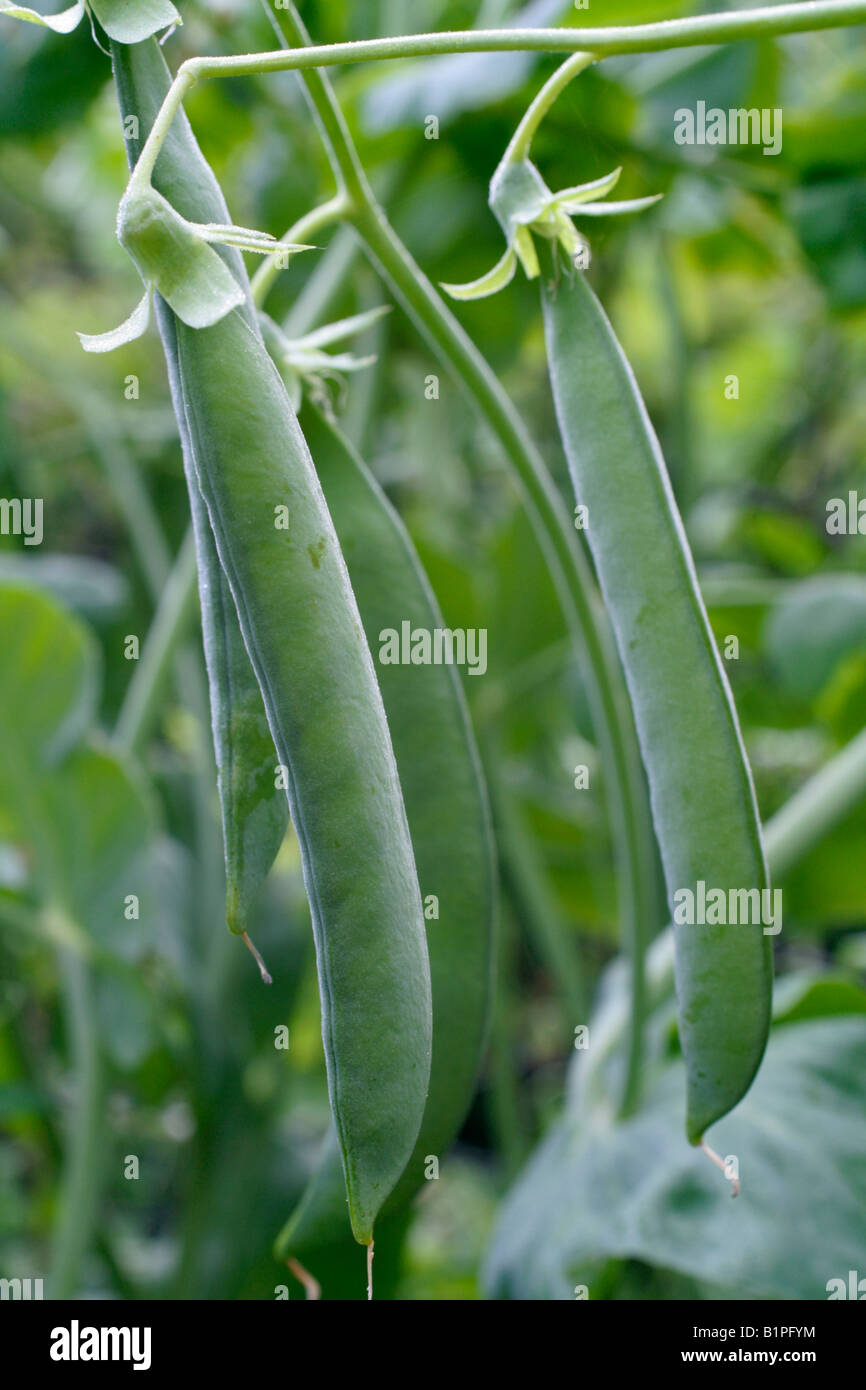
{"points": [[703, 800], [301, 627], [448, 819], [254, 812]]}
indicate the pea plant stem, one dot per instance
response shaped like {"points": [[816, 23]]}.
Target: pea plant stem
{"points": [[819, 804], [598, 43], [336, 209], [518, 145], [322, 287], [83, 1154], [170, 624], [625, 788]]}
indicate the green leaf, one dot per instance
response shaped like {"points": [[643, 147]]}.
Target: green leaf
{"points": [[48, 686], [100, 818], [126, 332], [125, 1016], [808, 994], [62, 23], [815, 626], [131, 21], [79, 815], [822, 214], [637, 1190]]}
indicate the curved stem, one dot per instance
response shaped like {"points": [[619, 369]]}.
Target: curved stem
{"points": [[325, 282], [798, 18], [518, 145], [625, 788], [334, 210]]}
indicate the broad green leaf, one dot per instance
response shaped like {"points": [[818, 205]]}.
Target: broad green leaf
{"points": [[101, 817], [62, 23], [808, 994], [822, 213], [48, 684], [638, 1191], [131, 21], [125, 1016], [813, 628], [80, 817]]}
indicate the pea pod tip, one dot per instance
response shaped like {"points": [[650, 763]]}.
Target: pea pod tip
{"points": [[263, 970]]}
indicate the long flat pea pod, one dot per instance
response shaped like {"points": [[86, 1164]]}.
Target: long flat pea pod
{"points": [[446, 805], [254, 812], [302, 631], [703, 800], [301, 628]]}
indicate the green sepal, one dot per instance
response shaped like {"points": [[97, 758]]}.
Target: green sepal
{"points": [[526, 253], [132, 21], [616, 209], [496, 279], [126, 21], [247, 239], [518, 196], [567, 199], [522, 204], [302, 361], [172, 255], [126, 332], [62, 23]]}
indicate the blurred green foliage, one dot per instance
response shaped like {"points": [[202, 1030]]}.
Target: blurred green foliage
{"points": [[751, 267]]}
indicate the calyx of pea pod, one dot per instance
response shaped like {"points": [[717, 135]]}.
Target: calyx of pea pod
{"points": [[304, 364], [122, 21], [523, 204], [176, 258]]}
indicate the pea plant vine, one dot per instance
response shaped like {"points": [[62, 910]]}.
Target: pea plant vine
{"points": [[299, 564]]}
